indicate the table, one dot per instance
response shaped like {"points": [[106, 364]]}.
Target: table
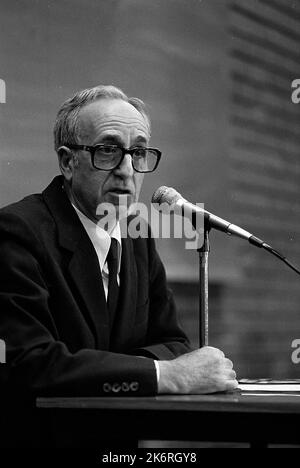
{"points": [[255, 418]]}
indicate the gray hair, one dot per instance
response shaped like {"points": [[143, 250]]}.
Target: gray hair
{"points": [[66, 124]]}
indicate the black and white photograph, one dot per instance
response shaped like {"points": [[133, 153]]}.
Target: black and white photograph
{"points": [[149, 227]]}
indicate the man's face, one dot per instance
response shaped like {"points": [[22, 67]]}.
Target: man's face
{"points": [[107, 121]]}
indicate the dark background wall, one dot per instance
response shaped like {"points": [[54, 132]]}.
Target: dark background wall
{"points": [[217, 77]]}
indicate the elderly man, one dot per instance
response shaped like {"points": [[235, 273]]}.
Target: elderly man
{"points": [[83, 310]]}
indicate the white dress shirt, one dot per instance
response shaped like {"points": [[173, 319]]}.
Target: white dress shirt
{"points": [[101, 241]]}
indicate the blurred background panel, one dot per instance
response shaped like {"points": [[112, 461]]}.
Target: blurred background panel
{"points": [[217, 78]]}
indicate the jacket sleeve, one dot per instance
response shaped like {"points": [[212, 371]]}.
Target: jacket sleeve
{"points": [[165, 339], [37, 363]]}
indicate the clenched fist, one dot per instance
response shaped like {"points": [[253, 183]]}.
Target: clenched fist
{"points": [[204, 370]]}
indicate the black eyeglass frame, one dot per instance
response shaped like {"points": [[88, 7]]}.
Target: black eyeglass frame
{"points": [[92, 150]]}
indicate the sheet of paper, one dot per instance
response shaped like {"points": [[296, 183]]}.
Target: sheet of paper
{"points": [[269, 385]]}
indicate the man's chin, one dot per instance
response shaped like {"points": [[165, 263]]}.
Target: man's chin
{"points": [[115, 207], [119, 199]]}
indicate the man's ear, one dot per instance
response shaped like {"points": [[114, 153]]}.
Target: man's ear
{"points": [[66, 162]]}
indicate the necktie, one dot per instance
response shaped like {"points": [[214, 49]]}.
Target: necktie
{"points": [[113, 287]]}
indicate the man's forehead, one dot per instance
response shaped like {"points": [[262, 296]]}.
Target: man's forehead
{"points": [[112, 113]]}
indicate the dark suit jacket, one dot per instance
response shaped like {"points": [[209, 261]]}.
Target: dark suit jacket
{"points": [[53, 313]]}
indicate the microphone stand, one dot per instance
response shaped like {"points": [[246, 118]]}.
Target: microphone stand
{"points": [[203, 286], [173, 198]]}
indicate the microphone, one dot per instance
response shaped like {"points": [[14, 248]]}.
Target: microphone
{"points": [[169, 196], [182, 207]]}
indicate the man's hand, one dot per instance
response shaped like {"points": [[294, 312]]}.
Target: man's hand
{"points": [[204, 370]]}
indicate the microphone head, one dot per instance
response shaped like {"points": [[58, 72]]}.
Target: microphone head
{"points": [[165, 195]]}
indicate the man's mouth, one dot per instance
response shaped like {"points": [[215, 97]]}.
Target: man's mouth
{"points": [[120, 191]]}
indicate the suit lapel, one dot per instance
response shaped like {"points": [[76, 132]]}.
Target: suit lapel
{"points": [[85, 271], [83, 265]]}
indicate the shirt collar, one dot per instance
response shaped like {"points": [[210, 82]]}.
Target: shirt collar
{"points": [[100, 238]]}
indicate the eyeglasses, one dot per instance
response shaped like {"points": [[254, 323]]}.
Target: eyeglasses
{"points": [[109, 157]]}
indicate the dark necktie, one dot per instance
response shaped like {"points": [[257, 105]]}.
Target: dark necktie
{"points": [[113, 288]]}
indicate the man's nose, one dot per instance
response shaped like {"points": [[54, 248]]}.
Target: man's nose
{"points": [[125, 168]]}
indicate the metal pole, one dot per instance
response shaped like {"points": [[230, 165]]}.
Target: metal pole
{"points": [[203, 290]]}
